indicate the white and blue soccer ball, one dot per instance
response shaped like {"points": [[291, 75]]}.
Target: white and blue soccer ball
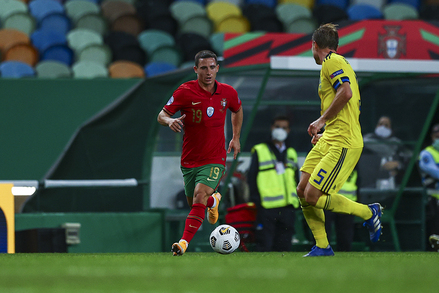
{"points": [[224, 239]]}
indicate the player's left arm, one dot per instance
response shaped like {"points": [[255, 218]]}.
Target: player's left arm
{"points": [[236, 118], [342, 97]]}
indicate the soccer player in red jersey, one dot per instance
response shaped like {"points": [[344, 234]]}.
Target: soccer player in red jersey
{"points": [[203, 104]]}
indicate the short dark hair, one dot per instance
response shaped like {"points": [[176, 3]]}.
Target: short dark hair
{"points": [[205, 54], [326, 36], [280, 118]]}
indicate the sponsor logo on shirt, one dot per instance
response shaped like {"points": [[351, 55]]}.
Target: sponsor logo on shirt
{"points": [[210, 111], [338, 72], [195, 103]]}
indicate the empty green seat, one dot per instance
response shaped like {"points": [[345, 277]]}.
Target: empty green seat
{"points": [[399, 11], [52, 69], [20, 21], [89, 69], [184, 10], [288, 12], [93, 21], [8, 7], [151, 39], [78, 8], [80, 38], [97, 53]]}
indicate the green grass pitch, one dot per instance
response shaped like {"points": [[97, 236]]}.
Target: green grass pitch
{"points": [[211, 272]]}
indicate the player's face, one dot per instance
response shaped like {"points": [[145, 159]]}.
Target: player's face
{"points": [[206, 71], [315, 53]]}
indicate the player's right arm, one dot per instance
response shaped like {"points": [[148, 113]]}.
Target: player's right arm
{"points": [[176, 124]]}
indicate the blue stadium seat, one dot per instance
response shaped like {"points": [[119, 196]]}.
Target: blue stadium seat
{"points": [[16, 69], [43, 39], [156, 68], [343, 4], [42, 8], [61, 53], [363, 11], [57, 22]]}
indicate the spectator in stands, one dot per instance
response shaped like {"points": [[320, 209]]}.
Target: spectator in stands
{"points": [[273, 177], [429, 167], [384, 155]]}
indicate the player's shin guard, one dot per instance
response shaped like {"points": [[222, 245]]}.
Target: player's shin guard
{"points": [[316, 222], [338, 203], [194, 221]]}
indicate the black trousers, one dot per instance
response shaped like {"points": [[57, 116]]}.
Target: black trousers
{"points": [[432, 219], [344, 229], [275, 229]]}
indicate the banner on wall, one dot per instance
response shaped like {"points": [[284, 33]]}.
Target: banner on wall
{"points": [[414, 40]]}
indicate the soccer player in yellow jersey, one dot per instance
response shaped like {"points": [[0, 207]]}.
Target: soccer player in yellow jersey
{"points": [[336, 151]]}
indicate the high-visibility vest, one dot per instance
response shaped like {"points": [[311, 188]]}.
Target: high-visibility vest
{"points": [[429, 182], [349, 188], [276, 190]]}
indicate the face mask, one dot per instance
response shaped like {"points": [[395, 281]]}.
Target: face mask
{"points": [[436, 144], [383, 131], [279, 134]]}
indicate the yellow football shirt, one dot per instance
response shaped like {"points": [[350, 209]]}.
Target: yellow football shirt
{"points": [[344, 129]]}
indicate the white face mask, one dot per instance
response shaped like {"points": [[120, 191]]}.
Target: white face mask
{"points": [[382, 131], [279, 134]]}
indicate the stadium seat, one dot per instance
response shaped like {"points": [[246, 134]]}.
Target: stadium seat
{"points": [[117, 40], [151, 40], [25, 53], [43, 39], [399, 11], [133, 53], [262, 18], [20, 21], [52, 69], [16, 69], [10, 37], [429, 12], [156, 15], [157, 68], [233, 24], [329, 13], [59, 52], [302, 26], [343, 4], [128, 23], [288, 12], [414, 3], [201, 25], [217, 43], [112, 10], [78, 8], [97, 53], [93, 21], [218, 11], [89, 69], [307, 3], [42, 8], [126, 69], [191, 44], [56, 22], [80, 38], [8, 7], [185, 10], [267, 3], [168, 54], [363, 11], [378, 4]]}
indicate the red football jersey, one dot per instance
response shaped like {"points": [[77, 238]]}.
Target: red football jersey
{"points": [[203, 139]]}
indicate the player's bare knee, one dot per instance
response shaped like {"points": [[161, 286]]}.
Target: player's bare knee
{"points": [[201, 197]]}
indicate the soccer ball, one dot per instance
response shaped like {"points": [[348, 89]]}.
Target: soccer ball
{"points": [[224, 239]]}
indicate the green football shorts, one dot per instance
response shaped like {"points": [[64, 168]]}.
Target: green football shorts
{"points": [[209, 175]]}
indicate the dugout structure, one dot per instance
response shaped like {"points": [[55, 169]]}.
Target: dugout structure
{"points": [[122, 140]]}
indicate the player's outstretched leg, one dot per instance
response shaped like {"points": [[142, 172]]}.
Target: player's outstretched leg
{"points": [[179, 248], [213, 211], [374, 223], [434, 242], [317, 251]]}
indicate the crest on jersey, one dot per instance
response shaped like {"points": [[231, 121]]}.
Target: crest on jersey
{"points": [[210, 111], [392, 44], [170, 101], [223, 104]]}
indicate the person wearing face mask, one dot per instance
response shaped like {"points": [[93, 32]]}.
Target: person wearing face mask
{"points": [[389, 156], [272, 179], [429, 167]]}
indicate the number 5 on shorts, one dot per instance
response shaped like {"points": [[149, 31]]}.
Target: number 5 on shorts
{"points": [[322, 176]]}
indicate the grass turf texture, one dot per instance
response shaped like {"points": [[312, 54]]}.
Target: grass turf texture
{"points": [[211, 272]]}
